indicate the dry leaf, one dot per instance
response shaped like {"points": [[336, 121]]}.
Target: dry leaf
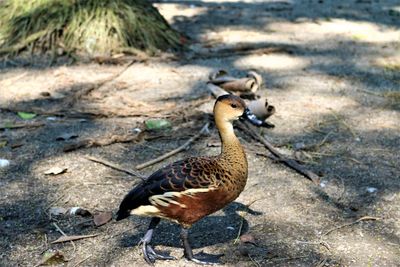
{"points": [[248, 238], [102, 218], [55, 171], [52, 258]]}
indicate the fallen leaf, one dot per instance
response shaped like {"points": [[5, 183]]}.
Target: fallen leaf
{"points": [[3, 143], [72, 238], [57, 211], [157, 124], [248, 238], [102, 218], [66, 136], [26, 115], [52, 258], [55, 171]]}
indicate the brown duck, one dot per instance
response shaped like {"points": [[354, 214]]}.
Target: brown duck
{"points": [[188, 190]]}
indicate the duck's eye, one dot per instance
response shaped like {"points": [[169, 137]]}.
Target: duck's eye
{"points": [[234, 106]]}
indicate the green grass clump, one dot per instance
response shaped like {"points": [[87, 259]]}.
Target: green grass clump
{"points": [[91, 26]]}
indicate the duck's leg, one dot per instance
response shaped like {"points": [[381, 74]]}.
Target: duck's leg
{"points": [[150, 256], [199, 259]]}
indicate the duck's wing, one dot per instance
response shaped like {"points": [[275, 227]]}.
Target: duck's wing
{"points": [[192, 173]]}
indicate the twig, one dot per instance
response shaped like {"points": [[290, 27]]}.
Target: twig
{"points": [[72, 238], [343, 189], [316, 146], [354, 160], [64, 234], [240, 229], [97, 86], [21, 125], [115, 167], [256, 263], [371, 92], [288, 258], [365, 218], [243, 49], [80, 262], [320, 242], [175, 151], [322, 263], [13, 79], [345, 124], [105, 141], [288, 162]]}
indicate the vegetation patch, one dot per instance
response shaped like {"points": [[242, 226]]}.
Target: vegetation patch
{"points": [[91, 27]]}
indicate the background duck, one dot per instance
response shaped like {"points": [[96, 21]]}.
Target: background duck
{"points": [[188, 190]]}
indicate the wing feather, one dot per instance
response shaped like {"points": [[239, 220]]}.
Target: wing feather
{"points": [[176, 177]]}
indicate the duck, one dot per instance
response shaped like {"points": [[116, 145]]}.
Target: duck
{"points": [[190, 189]]}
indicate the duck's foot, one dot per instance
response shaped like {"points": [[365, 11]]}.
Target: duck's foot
{"points": [[150, 256], [201, 258], [205, 259]]}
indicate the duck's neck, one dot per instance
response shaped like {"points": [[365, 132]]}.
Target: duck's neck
{"points": [[231, 147]]}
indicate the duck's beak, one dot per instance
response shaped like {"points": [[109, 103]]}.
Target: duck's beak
{"points": [[254, 120]]}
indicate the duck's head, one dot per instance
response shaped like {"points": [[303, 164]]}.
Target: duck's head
{"points": [[228, 108]]}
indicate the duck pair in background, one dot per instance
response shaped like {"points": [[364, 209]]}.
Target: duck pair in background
{"points": [[188, 190]]}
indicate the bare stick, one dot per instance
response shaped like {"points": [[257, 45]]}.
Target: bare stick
{"points": [[105, 141], [80, 262], [72, 238], [175, 151], [65, 235], [240, 228], [22, 125], [115, 167], [244, 49], [288, 162], [287, 258], [365, 218]]}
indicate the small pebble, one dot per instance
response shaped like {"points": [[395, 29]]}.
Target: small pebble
{"points": [[4, 163], [137, 130], [323, 184], [371, 189]]}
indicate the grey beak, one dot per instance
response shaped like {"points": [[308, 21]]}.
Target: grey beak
{"points": [[254, 120]]}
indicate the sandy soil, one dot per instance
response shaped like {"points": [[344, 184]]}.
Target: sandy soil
{"points": [[330, 89]]}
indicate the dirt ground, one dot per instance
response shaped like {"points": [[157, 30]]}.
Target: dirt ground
{"points": [[331, 85]]}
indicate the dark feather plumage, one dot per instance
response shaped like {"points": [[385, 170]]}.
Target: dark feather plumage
{"points": [[179, 176]]}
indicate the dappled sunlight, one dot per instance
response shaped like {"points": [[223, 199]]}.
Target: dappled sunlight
{"points": [[272, 63], [377, 120], [371, 250], [338, 28], [173, 11]]}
